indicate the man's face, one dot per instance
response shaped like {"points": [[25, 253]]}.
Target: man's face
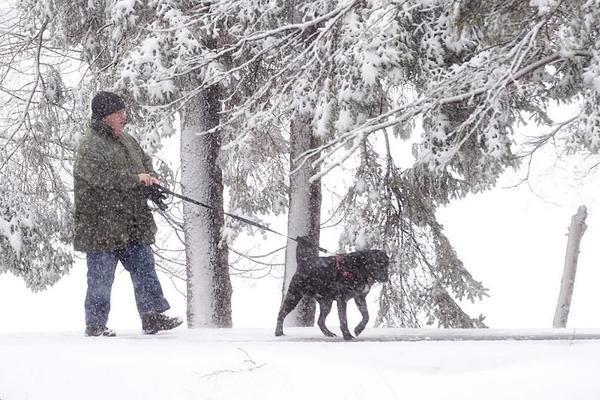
{"points": [[116, 121]]}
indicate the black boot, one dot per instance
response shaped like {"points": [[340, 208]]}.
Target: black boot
{"points": [[99, 331], [154, 322]]}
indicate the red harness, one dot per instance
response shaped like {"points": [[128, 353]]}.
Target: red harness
{"points": [[338, 266]]}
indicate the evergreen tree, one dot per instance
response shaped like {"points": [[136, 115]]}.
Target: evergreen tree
{"points": [[36, 138]]}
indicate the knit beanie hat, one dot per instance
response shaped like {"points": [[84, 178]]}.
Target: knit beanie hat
{"points": [[106, 103]]}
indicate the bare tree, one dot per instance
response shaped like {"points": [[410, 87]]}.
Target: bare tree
{"points": [[576, 231]]}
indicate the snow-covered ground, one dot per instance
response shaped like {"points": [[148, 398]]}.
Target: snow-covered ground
{"points": [[253, 364]]}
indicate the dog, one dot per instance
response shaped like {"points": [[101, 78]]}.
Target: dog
{"points": [[340, 278]]}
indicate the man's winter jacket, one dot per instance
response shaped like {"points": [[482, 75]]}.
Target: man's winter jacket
{"points": [[110, 206]]}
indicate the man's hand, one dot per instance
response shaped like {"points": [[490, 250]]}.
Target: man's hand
{"points": [[147, 180], [157, 195]]}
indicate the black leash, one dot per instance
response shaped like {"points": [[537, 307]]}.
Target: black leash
{"points": [[157, 193]]}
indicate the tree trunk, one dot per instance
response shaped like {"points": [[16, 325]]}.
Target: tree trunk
{"points": [[208, 283], [576, 231], [304, 214]]}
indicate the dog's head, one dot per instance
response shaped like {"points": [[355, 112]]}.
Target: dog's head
{"points": [[305, 249], [305, 242]]}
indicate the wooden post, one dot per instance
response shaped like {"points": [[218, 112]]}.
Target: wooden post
{"points": [[576, 231]]}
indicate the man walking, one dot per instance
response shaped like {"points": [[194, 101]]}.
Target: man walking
{"points": [[112, 219]]}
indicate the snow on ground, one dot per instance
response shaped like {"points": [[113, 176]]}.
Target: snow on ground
{"points": [[253, 364]]}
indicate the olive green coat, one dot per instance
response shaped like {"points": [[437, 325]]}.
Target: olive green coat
{"points": [[111, 209]]}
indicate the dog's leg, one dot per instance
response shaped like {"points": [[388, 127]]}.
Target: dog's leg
{"points": [[324, 308], [341, 306], [361, 303], [292, 298]]}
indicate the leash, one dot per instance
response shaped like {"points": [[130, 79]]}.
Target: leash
{"points": [[163, 190]]}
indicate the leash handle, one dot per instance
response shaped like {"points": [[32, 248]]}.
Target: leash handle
{"points": [[242, 219]]}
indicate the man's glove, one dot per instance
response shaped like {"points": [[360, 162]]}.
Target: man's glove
{"points": [[158, 197]]}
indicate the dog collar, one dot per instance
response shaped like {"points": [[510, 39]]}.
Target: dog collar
{"points": [[338, 266]]}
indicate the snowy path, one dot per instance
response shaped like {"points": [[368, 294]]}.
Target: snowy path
{"points": [[253, 364]]}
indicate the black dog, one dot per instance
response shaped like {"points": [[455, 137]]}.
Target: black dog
{"points": [[338, 278]]}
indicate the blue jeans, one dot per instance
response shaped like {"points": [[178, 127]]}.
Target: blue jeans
{"points": [[138, 260]]}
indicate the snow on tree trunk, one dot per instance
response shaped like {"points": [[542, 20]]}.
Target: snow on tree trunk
{"points": [[576, 231], [208, 283], [304, 213]]}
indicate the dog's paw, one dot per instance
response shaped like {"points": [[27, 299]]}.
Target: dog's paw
{"points": [[346, 333], [330, 334], [279, 332], [358, 330]]}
